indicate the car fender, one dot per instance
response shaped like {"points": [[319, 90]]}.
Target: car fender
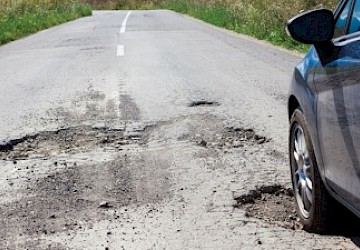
{"points": [[303, 90]]}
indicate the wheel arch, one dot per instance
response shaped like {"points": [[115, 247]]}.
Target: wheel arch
{"points": [[306, 104], [309, 114], [293, 104]]}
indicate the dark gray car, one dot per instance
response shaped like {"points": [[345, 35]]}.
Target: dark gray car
{"points": [[324, 114]]}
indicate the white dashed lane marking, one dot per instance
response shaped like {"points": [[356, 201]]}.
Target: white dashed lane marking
{"points": [[121, 48], [123, 25]]}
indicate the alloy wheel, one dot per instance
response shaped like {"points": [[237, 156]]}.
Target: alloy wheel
{"points": [[302, 172]]}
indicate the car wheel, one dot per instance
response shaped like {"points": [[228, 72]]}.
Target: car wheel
{"points": [[314, 204]]}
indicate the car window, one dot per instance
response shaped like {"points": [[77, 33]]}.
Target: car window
{"points": [[340, 26], [355, 19]]}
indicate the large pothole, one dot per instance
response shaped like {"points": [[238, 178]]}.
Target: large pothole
{"points": [[231, 137], [74, 197], [69, 140], [271, 204]]}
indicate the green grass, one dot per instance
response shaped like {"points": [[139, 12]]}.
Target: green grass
{"points": [[24, 18], [124, 4], [263, 19], [249, 21]]}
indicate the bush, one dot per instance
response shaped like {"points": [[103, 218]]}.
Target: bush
{"points": [[123, 4], [22, 17], [263, 19]]}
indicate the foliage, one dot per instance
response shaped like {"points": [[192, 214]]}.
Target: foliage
{"points": [[19, 18], [124, 4], [263, 19]]}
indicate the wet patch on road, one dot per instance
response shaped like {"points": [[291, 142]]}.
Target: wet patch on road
{"points": [[271, 204]]}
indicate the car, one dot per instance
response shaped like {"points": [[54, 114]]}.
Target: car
{"points": [[324, 115]]}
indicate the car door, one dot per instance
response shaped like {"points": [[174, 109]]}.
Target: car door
{"points": [[338, 106]]}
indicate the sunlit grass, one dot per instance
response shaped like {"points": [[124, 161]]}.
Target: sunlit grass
{"points": [[263, 19], [124, 4], [19, 18]]}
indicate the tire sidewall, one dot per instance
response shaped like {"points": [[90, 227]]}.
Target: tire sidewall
{"points": [[299, 119]]}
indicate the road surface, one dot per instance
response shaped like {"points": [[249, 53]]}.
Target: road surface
{"points": [[147, 130]]}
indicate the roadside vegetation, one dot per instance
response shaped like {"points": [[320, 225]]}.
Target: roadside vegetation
{"points": [[263, 19], [19, 18], [125, 4]]}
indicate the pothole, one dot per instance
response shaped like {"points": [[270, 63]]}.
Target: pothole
{"points": [[203, 103], [75, 196], [271, 204], [231, 138], [68, 140]]}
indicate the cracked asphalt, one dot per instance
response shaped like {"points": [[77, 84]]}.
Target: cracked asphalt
{"points": [[169, 135]]}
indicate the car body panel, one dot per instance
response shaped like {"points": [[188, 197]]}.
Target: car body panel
{"points": [[338, 121], [329, 97], [303, 89]]}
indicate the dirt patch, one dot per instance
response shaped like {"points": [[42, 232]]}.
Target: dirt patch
{"points": [[74, 197], [128, 109], [231, 138], [92, 105], [272, 204], [69, 140], [65, 200], [37, 244]]}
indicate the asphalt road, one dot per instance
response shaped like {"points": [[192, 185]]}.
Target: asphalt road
{"points": [[141, 130]]}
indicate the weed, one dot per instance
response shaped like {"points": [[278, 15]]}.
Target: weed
{"points": [[263, 19], [23, 17]]}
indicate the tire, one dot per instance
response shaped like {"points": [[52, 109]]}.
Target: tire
{"points": [[315, 207]]}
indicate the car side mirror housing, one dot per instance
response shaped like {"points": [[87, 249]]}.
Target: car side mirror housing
{"points": [[312, 27], [315, 27]]}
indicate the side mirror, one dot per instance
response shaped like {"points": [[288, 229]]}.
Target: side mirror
{"points": [[312, 27]]}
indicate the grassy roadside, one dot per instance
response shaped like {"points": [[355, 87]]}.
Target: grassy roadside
{"points": [[23, 17], [262, 19], [124, 4]]}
